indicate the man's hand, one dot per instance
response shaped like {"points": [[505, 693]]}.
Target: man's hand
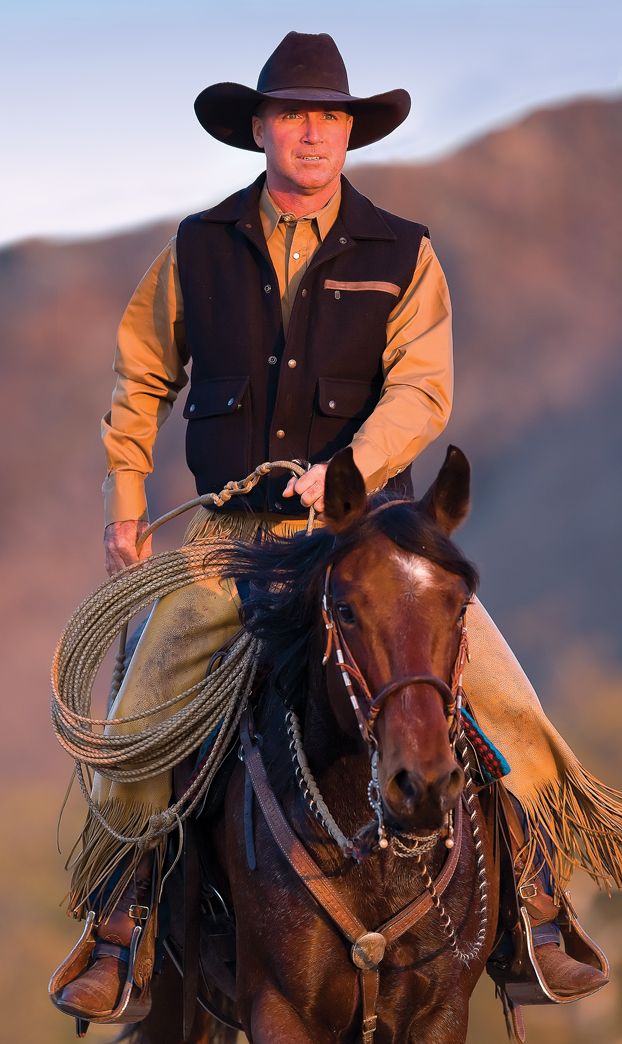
{"points": [[309, 487], [120, 544]]}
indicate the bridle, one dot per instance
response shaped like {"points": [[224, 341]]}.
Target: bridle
{"points": [[366, 717], [368, 947]]}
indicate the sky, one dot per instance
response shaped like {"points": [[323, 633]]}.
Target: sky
{"points": [[97, 124]]}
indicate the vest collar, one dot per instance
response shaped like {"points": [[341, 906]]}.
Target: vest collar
{"points": [[359, 217]]}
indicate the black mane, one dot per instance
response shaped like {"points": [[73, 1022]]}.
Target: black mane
{"points": [[285, 577]]}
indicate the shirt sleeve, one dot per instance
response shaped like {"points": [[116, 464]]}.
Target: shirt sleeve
{"points": [[149, 364], [416, 397]]}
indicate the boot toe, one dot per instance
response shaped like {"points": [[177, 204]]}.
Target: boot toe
{"points": [[96, 992], [564, 975]]}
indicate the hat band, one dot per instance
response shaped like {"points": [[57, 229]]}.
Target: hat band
{"points": [[309, 93]]}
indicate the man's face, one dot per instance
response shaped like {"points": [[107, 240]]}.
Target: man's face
{"points": [[305, 146]]}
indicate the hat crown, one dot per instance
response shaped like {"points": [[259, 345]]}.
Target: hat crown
{"points": [[304, 60]]}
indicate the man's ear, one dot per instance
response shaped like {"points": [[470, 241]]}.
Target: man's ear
{"points": [[257, 126], [448, 498], [345, 498]]}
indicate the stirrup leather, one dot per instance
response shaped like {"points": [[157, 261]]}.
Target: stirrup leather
{"points": [[134, 1001]]}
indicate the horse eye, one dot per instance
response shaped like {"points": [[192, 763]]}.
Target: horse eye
{"points": [[345, 613]]}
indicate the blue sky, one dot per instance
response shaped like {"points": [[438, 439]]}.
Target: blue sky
{"points": [[97, 122]]}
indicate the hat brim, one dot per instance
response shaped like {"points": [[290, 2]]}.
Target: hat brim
{"points": [[225, 111]]}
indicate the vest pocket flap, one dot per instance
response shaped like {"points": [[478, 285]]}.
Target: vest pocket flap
{"points": [[216, 397], [341, 398]]}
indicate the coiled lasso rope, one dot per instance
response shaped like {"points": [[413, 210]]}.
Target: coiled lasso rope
{"points": [[217, 700]]}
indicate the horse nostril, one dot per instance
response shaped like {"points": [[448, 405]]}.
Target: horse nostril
{"points": [[454, 783], [406, 785]]}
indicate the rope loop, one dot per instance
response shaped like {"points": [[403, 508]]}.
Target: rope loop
{"points": [[211, 708]]}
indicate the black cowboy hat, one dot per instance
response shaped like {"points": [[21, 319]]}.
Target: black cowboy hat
{"points": [[305, 67]]}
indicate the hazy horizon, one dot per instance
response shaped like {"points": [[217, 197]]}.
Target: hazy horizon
{"points": [[101, 132]]}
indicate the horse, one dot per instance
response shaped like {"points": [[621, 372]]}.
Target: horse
{"points": [[351, 846]]}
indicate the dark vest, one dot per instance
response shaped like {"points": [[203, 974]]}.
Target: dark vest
{"points": [[256, 395]]}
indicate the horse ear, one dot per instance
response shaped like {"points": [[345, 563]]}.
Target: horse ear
{"points": [[448, 498], [345, 498]]}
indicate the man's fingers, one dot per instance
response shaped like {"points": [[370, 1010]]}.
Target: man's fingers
{"points": [[146, 550], [120, 544], [290, 488]]}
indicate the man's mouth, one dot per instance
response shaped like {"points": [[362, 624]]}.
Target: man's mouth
{"points": [[313, 158]]}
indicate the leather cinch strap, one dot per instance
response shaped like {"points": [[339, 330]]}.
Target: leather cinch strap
{"points": [[367, 947]]}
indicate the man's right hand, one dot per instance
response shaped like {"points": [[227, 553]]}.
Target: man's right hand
{"points": [[120, 544]]}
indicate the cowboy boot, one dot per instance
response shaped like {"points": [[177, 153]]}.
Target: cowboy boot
{"points": [[563, 974], [536, 936], [112, 983]]}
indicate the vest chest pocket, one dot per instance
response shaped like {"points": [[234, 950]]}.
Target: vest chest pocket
{"points": [[219, 415]]}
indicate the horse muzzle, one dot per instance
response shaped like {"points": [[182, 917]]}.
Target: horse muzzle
{"points": [[414, 799]]}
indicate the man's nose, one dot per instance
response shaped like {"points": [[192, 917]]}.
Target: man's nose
{"points": [[312, 131]]}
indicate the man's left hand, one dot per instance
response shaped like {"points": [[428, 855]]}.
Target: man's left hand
{"points": [[309, 487]]}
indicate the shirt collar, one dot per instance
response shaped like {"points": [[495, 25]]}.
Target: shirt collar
{"points": [[271, 214]]}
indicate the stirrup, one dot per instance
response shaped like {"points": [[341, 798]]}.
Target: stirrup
{"points": [[134, 1002], [523, 981]]}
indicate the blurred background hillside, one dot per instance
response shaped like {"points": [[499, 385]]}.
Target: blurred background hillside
{"points": [[527, 221]]}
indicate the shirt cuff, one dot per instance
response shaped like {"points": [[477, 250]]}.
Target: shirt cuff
{"points": [[124, 497], [372, 464]]}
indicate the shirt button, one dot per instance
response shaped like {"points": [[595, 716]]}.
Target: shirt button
{"points": [[267, 288], [272, 359], [230, 402], [248, 225], [332, 404], [280, 434], [343, 240], [304, 292], [296, 256], [292, 364]]}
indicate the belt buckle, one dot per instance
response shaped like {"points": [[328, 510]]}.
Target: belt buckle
{"points": [[528, 891]]}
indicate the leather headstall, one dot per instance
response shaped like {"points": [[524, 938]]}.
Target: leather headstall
{"points": [[366, 718]]}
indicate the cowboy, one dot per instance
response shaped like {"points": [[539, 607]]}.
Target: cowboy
{"points": [[314, 320]]}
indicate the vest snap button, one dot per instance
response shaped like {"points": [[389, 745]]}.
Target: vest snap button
{"points": [[272, 360], [304, 292], [332, 404], [343, 240], [267, 288], [230, 402], [292, 364], [192, 408], [280, 434], [337, 295], [248, 225]]}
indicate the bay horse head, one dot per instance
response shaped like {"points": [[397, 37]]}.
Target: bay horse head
{"points": [[395, 600]]}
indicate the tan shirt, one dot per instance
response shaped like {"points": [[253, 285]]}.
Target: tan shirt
{"points": [[151, 359]]}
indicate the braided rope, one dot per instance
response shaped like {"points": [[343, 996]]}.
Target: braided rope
{"points": [[216, 702]]}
